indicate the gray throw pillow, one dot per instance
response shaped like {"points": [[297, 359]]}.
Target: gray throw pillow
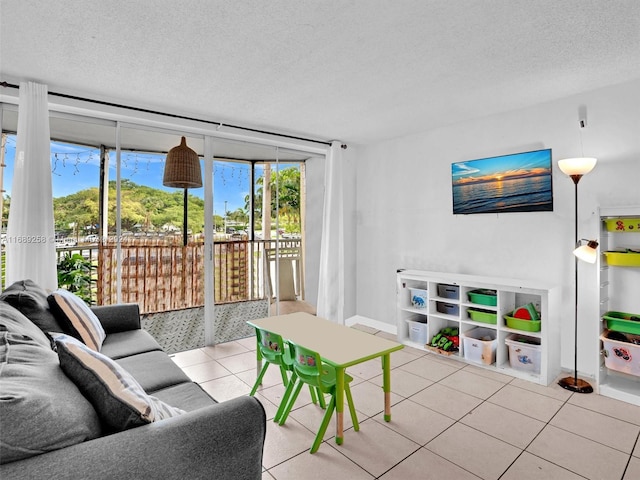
{"points": [[77, 318], [31, 300], [40, 408], [11, 320], [116, 395]]}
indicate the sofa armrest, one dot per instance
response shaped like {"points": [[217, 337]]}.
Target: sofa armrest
{"points": [[118, 318], [223, 441]]}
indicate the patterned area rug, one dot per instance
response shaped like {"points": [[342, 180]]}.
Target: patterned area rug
{"points": [[181, 330]]}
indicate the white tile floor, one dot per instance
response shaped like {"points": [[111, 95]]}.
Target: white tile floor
{"points": [[449, 420]]}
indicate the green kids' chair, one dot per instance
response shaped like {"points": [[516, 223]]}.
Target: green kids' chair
{"points": [[274, 350], [309, 369]]}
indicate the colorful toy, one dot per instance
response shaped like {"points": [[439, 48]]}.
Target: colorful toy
{"points": [[526, 312], [446, 339]]}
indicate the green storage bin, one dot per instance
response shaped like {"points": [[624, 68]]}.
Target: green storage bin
{"points": [[484, 316], [623, 322], [483, 297], [524, 325]]}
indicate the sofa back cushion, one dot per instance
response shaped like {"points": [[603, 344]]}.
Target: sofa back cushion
{"points": [[77, 318], [31, 300], [40, 408], [11, 320]]}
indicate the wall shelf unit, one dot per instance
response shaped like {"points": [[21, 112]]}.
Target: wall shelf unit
{"points": [[446, 308], [618, 288]]}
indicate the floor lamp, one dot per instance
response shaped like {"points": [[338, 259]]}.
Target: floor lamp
{"points": [[576, 168], [182, 170]]}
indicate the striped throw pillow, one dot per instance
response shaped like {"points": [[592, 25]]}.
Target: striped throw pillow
{"points": [[119, 400], [71, 311]]}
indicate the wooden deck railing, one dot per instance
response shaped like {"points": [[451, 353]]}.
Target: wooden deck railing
{"points": [[162, 276], [156, 277]]}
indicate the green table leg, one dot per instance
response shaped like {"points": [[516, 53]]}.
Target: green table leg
{"points": [[386, 385], [339, 405]]}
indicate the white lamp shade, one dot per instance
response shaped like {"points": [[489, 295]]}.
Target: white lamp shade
{"points": [[577, 166], [588, 252]]}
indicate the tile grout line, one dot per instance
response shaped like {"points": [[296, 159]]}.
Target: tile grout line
{"points": [[587, 438], [626, 467], [547, 423]]}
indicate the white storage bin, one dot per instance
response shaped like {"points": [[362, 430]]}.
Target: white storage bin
{"points": [[621, 356], [418, 298], [418, 331], [524, 353], [479, 345]]}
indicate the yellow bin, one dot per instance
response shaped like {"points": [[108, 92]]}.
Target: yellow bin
{"points": [[623, 224], [623, 259]]}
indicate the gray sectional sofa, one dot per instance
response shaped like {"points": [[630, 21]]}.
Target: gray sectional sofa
{"points": [[48, 428]]}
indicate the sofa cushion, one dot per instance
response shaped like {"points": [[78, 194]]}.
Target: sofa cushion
{"points": [[118, 398], [153, 370], [31, 300], [77, 318], [40, 408], [11, 320], [187, 396], [21, 341], [120, 317], [18, 348], [125, 344]]}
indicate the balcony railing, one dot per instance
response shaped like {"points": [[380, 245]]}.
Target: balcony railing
{"points": [[161, 276]]}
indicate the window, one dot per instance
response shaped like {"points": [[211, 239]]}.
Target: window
{"points": [[75, 175], [153, 268]]}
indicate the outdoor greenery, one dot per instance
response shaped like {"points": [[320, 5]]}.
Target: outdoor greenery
{"points": [[148, 209], [6, 202], [141, 208], [75, 273], [288, 200]]}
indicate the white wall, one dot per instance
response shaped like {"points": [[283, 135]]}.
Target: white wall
{"points": [[404, 206]]}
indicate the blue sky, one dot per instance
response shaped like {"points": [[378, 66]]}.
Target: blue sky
{"points": [[538, 161], [76, 167]]}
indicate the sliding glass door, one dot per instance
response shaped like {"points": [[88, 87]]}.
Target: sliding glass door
{"points": [[146, 227], [245, 229]]}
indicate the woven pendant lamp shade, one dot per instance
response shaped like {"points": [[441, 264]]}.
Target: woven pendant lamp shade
{"points": [[182, 167]]}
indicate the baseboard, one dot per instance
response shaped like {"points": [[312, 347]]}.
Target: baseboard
{"points": [[370, 322]]}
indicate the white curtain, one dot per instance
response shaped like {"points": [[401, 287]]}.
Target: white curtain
{"points": [[31, 251], [331, 281]]}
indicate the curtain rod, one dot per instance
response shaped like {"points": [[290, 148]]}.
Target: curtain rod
{"points": [[172, 115]]}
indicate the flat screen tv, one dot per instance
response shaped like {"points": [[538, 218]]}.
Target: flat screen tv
{"points": [[520, 182]]}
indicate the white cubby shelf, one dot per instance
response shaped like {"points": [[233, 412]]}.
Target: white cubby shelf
{"points": [[618, 288], [454, 312]]}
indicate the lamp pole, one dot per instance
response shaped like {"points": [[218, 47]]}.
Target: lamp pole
{"points": [[577, 385], [575, 169], [182, 170], [185, 217]]}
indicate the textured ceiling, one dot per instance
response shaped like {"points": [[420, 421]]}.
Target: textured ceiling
{"points": [[356, 70]]}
